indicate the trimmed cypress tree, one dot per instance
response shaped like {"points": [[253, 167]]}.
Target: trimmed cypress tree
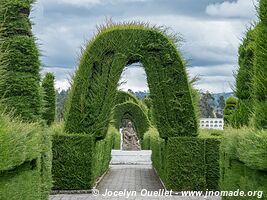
{"points": [[20, 65], [49, 98], [230, 106], [260, 70], [244, 90]]}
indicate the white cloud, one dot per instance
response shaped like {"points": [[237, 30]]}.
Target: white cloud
{"points": [[239, 8], [134, 78]]}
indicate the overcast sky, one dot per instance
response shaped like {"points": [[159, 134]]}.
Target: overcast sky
{"points": [[211, 29]]}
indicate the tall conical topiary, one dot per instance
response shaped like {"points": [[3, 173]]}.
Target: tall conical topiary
{"points": [[260, 70], [20, 65], [244, 90], [49, 98]]}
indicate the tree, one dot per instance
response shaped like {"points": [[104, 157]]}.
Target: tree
{"points": [[49, 98], [260, 70], [229, 109], [20, 65], [244, 77], [206, 108]]}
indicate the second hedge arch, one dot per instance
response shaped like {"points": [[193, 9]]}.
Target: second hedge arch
{"points": [[132, 111], [94, 86]]}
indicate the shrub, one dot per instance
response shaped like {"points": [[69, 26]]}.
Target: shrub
{"points": [[78, 160], [25, 154], [244, 90], [186, 163], [230, 106], [260, 74], [20, 65], [49, 98], [95, 82], [243, 161], [134, 113]]}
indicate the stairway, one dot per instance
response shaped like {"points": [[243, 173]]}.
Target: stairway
{"points": [[120, 157]]}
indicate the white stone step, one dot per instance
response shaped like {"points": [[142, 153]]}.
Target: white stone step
{"points": [[120, 157]]}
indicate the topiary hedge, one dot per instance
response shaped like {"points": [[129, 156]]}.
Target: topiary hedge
{"points": [[260, 70], [229, 109], [25, 167], [244, 77], [94, 86], [244, 162], [186, 163], [78, 160], [20, 65], [133, 112], [49, 98]]}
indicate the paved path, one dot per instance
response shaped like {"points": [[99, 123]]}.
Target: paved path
{"points": [[130, 173], [127, 178]]}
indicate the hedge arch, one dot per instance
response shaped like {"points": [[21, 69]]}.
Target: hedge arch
{"points": [[101, 64], [133, 112]]}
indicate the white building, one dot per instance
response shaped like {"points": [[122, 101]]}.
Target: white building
{"points": [[212, 123]]}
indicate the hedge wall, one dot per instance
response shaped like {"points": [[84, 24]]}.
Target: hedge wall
{"points": [[78, 160], [133, 112], [25, 167], [20, 65], [244, 162], [94, 86], [186, 163]]}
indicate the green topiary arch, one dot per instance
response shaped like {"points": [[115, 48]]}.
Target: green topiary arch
{"points": [[133, 112], [102, 62]]}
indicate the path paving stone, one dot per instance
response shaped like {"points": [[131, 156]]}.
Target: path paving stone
{"points": [[127, 178]]}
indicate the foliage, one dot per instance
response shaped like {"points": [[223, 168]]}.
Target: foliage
{"points": [[230, 106], [244, 77], [117, 137], [25, 167], [245, 70], [101, 64], [49, 98], [260, 71], [61, 97], [78, 160], [20, 65], [185, 163], [133, 112], [244, 161], [72, 161]]}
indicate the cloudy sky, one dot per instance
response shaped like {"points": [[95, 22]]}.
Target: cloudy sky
{"points": [[211, 29]]}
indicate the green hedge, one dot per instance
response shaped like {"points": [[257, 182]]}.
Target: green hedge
{"points": [[25, 167], [95, 82], [133, 112], [186, 163], [244, 161], [78, 160]]}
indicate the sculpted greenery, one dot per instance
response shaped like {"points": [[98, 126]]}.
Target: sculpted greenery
{"points": [[260, 70], [20, 65], [49, 98], [95, 82]]}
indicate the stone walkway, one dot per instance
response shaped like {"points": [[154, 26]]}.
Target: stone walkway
{"points": [[134, 182]]}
